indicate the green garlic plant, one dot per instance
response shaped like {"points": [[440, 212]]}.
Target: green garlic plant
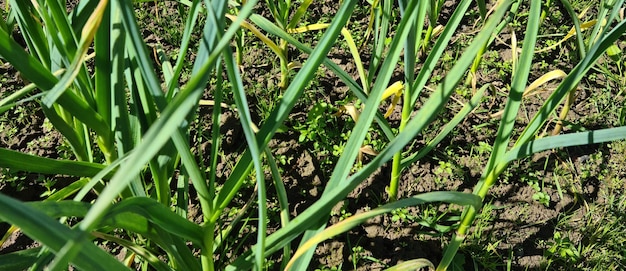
{"points": [[114, 100]]}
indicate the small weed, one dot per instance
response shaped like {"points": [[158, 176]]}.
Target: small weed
{"points": [[483, 245], [562, 249], [326, 268], [540, 196], [317, 130], [316, 123], [443, 172], [484, 148], [16, 180], [357, 254], [402, 215], [49, 185], [440, 222], [283, 159]]}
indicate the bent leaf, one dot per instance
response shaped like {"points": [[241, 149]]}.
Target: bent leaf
{"points": [[35, 164], [353, 221], [38, 226]]}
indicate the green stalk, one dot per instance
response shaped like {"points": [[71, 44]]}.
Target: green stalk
{"points": [[209, 226], [495, 166], [209, 241], [396, 166], [410, 51], [284, 65]]}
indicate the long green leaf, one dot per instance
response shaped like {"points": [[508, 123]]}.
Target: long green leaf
{"points": [[134, 214], [19, 260], [76, 65], [458, 198], [29, 67], [157, 214], [36, 164], [437, 51], [194, 11], [565, 140], [142, 252], [53, 234], [32, 31], [247, 124], [505, 130], [518, 84]]}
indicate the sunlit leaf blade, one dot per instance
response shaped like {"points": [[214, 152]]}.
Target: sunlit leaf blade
{"points": [[247, 124], [133, 214], [141, 251], [437, 51], [68, 190], [86, 39], [565, 140], [295, 19], [518, 86], [32, 31], [29, 67]]}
